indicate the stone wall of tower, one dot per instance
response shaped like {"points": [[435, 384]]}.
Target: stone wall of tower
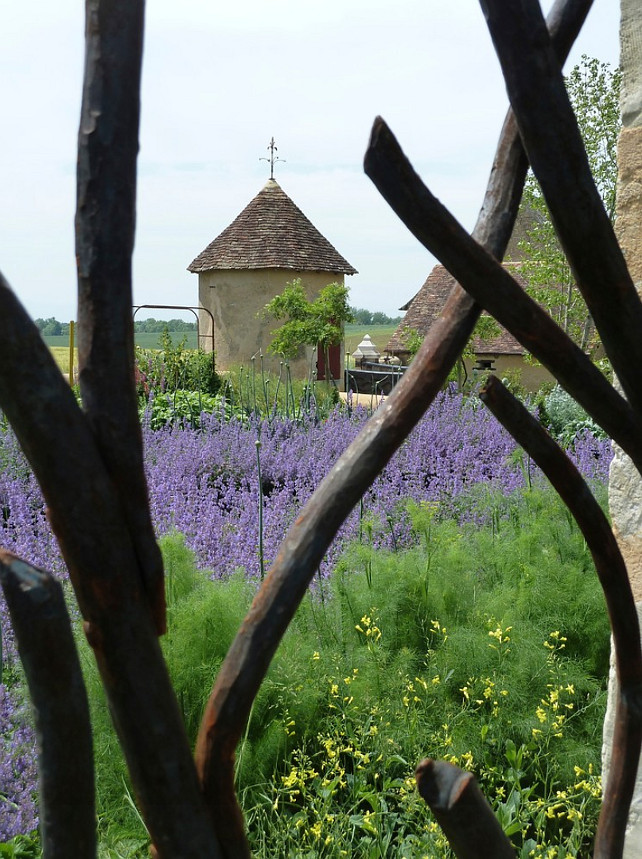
{"points": [[625, 485], [236, 300]]}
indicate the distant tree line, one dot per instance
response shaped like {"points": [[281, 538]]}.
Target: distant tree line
{"points": [[52, 328], [361, 316], [157, 326]]}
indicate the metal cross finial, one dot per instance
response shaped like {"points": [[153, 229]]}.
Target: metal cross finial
{"points": [[272, 159]]}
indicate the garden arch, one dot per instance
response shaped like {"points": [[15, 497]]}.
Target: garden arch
{"points": [[195, 311]]}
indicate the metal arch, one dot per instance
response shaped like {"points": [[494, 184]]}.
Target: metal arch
{"points": [[194, 310]]}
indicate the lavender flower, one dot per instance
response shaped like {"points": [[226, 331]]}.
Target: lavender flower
{"points": [[18, 773]]}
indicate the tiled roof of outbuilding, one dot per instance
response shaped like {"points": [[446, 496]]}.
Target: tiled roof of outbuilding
{"points": [[271, 232], [427, 304]]}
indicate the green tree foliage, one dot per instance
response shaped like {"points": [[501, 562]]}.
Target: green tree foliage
{"points": [[157, 326], [412, 340], [52, 328], [317, 322], [594, 91]]}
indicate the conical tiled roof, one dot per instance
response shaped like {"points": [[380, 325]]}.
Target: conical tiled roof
{"points": [[427, 304], [271, 232]]}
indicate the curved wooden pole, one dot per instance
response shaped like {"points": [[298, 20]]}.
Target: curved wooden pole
{"points": [[493, 287], [556, 151], [613, 576], [301, 552], [85, 514], [462, 811], [105, 221], [65, 757]]}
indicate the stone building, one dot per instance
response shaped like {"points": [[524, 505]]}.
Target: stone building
{"points": [[268, 245], [625, 485], [499, 351]]}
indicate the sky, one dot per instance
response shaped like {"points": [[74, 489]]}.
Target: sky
{"points": [[219, 81]]}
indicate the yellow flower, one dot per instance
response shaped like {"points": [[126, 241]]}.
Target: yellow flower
{"points": [[290, 780]]}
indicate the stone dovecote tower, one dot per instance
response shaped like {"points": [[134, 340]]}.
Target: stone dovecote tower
{"points": [[268, 245], [625, 485]]}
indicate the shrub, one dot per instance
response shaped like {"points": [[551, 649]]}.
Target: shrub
{"points": [[174, 367], [566, 419], [487, 648]]}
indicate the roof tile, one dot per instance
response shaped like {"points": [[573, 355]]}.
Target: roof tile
{"points": [[271, 232], [427, 304]]}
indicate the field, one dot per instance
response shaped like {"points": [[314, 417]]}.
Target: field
{"points": [[144, 340], [380, 334]]}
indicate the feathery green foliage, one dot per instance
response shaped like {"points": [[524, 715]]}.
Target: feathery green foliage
{"points": [[484, 646]]}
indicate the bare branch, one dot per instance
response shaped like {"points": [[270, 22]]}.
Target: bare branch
{"points": [[462, 811], [65, 757], [614, 579], [493, 287], [554, 145], [105, 220], [303, 548]]}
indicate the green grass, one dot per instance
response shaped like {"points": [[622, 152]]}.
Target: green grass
{"points": [[354, 334], [486, 647], [144, 339], [61, 357], [379, 334]]}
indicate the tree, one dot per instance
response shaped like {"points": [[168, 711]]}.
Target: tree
{"points": [[361, 316], [49, 327], [594, 91], [318, 322]]}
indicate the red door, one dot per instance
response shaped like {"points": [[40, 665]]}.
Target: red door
{"points": [[334, 359]]}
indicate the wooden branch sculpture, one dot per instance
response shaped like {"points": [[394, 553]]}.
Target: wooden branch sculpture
{"points": [[65, 757], [95, 489]]}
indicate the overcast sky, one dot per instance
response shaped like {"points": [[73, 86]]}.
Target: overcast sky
{"points": [[219, 80]]}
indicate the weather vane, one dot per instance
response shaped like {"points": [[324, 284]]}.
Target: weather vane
{"points": [[273, 148]]}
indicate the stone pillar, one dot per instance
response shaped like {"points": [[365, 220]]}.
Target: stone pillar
{"points": [[625, 484]]}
